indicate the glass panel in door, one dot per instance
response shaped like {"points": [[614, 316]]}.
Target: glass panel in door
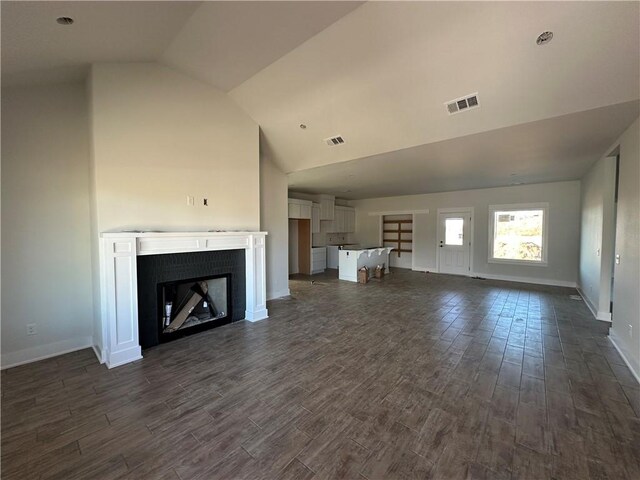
{"points": [[454, 231]]}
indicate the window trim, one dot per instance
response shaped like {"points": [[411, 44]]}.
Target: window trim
{"points": [[514, 207]]}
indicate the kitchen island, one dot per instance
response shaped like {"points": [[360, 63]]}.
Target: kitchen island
{"points": [[352, 260]]}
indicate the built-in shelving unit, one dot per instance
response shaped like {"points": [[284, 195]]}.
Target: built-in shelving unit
{"points": [[397, 232]]}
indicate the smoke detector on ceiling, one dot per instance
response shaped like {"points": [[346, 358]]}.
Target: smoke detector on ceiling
{"points": [[468, 102], [333, 141]]}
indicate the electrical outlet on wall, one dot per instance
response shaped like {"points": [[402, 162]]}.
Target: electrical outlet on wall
{"points": [[31, 329], [190, 200], [630, 332]]}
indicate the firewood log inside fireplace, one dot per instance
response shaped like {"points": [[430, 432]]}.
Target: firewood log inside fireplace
{"points": [[198, 292]]}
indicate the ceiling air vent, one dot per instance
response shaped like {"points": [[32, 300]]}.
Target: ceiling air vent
{"points": [[461, 104], [332, 141]]}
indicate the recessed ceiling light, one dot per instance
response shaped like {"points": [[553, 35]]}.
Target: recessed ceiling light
{"points": [[544, 37], [303, 126], [64, 20]]}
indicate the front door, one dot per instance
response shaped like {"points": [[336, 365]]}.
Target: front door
{"points": [[454, 242]]}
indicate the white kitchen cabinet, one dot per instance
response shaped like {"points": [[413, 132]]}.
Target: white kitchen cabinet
{"points": [[344, 220], [294, 210], [318, 260], [352, 260], [350, 220], [338, 219], [334, 225], [299, 208], [332, 256], [330, 227], [315, 218], [305, 211], [327, 207]]}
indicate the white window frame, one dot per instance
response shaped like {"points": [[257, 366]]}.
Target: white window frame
{"points": [[513, 208]]}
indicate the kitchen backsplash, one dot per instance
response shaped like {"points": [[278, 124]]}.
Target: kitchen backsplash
{"points": [[321, 239]]}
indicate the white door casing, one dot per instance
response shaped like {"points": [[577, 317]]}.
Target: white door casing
{"points": [[454, 240]]}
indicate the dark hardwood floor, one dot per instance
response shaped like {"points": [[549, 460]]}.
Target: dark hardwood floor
{"points": [[414, 376]]}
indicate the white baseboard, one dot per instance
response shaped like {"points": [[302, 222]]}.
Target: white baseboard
{"points": [[587, 302], [598, 315], [423, 270], [41, 352], [256, 316], [633, 364], [280, 294], [508, 278], [123, 357], [536, 281], [604, 316], [99, 353]]}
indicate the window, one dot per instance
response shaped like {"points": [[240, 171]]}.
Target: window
{"points": [[518, 234], [453, 231]]}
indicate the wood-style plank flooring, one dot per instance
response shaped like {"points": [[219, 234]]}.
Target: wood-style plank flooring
{"points": [[414, 376]]}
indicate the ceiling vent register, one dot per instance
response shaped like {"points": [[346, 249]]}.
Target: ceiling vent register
{"points": [[333, 141], [462, 104]]}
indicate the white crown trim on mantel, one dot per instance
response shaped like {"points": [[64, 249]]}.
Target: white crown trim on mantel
{"points": [[119, 280]]}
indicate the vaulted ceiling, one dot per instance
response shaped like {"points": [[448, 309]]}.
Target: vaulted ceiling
{"points": [[378, 74]]}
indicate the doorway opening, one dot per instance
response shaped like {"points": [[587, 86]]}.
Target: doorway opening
{"points": [[299, 246], [612, 231]]}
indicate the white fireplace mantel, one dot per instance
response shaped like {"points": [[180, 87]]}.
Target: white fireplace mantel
{"points": [[119, 280]]}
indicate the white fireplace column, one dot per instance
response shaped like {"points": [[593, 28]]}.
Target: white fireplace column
{"points": [[119, 280]]}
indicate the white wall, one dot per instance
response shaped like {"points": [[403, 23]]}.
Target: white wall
{"points": [[563, 234], [422, 235], [46, 268], [95, 232], [596, 240], [626, 288], [274, 211], [159, 136]]}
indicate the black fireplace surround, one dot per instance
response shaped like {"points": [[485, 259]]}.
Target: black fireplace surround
{"points": [[155, 270]]}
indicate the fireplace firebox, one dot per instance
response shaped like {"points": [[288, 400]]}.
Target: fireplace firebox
{"points": [[193, 305], [184, 293]]}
